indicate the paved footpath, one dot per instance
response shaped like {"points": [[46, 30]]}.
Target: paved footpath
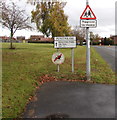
{"points": [[73, 100]]}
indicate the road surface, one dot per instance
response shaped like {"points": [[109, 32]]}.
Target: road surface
{"points": [[109, 54]]}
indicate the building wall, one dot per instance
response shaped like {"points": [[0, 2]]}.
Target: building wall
{"points": [[47, 39], [36, 37], [6, 39], [20, 37], [115, 40], [40, 38]]}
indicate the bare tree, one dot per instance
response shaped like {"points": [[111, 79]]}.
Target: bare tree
{"points": [[79, 33], [14, 19]]}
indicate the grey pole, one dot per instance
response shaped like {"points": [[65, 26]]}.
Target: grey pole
{"points": [[87, 2], [58, 68], [88, 55], [72, 55], [88, 69]]}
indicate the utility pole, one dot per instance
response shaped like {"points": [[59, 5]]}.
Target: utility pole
{"points": [[88, 69]]}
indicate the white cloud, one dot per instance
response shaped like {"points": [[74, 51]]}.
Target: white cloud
{"points": [[103, 9]]}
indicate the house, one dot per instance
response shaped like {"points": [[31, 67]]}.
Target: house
{"points": [[47, 39], [21, 39], [40, 38], [6, 39], [114, 37], [36, 37]]}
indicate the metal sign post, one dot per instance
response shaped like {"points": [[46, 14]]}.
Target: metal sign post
{"points": [[72, 55], [88, 20], [58, 67], [88, 69], [66, 42]]}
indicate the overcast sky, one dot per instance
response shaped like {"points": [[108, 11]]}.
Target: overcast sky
{"points": [[103, 9]]}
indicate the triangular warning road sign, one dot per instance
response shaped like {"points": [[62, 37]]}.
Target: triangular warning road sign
{"points": [[88, 13]]}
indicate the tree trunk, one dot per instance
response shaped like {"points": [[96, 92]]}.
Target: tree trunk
{"points": [[11, 37], [11, 43], [81, 42]]}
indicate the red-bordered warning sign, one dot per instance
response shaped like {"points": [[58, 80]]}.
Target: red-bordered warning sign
{"points": [[88, 13]]}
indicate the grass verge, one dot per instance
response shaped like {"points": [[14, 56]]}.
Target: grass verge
{"points": [[23, 66]]}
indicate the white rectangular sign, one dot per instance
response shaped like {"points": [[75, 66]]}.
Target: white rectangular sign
{"points": [[64, 42], [88, 23]]}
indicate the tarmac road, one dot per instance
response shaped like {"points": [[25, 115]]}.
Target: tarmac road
{"points": [[73, 100], [109, 54]]}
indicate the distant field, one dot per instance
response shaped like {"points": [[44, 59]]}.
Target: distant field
{"points": [[23, 67]]}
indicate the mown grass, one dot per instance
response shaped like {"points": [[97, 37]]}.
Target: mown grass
{"points": [[23, 66]]}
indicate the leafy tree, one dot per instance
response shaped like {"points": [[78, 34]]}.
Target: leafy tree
{"points": [[108, 41], [41, 17], [14, 19], [58, 21], [111, 42], [50, 19], [105, 41]]}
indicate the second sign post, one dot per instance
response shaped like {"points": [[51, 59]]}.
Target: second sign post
{"points": [[66, 42]]}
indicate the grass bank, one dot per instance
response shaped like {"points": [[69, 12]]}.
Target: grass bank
{"points": [[23, 66]]}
